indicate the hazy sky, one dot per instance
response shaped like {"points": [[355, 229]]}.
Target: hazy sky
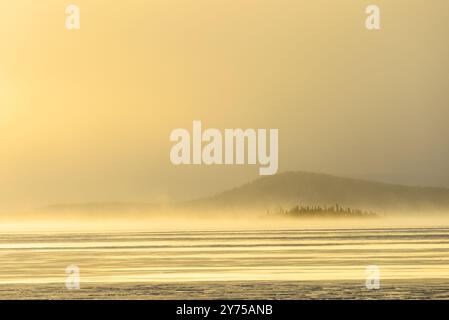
{"points": [[86, 115]]}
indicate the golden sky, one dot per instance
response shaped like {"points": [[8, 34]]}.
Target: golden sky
{"points": [[86, 115]]}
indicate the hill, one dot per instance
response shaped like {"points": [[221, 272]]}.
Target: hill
{"points": [[292, 188]]}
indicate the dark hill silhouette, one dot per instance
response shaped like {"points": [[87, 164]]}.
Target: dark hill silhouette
{"points": [[290, 188]]}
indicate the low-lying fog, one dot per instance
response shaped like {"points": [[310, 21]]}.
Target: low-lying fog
{"points": [[178, 221]]}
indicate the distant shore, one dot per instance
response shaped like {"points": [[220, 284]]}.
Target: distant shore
{"points": [[320, 211]]}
